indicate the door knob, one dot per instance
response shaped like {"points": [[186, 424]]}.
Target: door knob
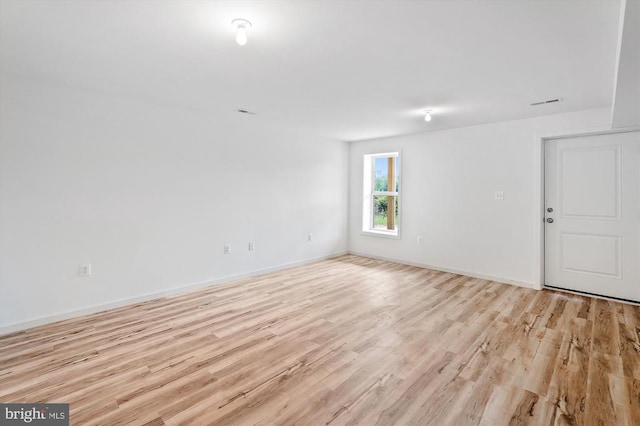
{"points": [[549, 220]]}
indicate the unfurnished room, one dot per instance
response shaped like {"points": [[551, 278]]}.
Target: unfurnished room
{"points": [[329, 212]]}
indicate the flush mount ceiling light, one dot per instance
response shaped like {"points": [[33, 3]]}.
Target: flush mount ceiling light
{"points": [[427, 115], [241, 25]]}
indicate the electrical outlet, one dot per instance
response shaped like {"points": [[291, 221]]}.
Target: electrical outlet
{"points": [[419, 240], [499, 195], [84, 270], [252, 246], [227, 249], [310, 237]]}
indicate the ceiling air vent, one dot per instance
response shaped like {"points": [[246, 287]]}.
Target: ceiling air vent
{"points": [[548, 101]]}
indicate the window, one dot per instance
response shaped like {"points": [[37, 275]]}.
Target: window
{"points": [[381, 186]]}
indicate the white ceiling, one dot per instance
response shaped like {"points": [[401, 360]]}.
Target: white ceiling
{"points": [[342, 69]]}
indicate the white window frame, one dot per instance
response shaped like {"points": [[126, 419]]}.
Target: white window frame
{"points": [[369, 194]]}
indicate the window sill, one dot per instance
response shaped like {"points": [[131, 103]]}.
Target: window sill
{"points": [[381, 234]]}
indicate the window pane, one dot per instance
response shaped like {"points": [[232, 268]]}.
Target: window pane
{"points": [[382, 204], [381, 176]]}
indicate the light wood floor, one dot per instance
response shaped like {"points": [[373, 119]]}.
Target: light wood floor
{"points": [[344, 341]]}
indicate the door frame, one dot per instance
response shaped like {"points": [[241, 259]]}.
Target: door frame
{"points": [[539, 190]]}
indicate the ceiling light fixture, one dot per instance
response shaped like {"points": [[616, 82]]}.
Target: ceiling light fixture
{"points": [[242, 25], [427, 115]]}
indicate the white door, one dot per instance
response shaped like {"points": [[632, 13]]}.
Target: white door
{"points": [[592, 214]]}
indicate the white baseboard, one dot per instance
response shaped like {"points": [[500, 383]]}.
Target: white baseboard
{"points": [[453, 271], [12, 328]]}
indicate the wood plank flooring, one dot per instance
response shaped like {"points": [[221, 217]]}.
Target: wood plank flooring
{"points": [[345, 341]]}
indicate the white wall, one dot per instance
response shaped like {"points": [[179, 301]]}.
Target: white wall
{"points": [[626, 99], [448, 182], [149, 195]]}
